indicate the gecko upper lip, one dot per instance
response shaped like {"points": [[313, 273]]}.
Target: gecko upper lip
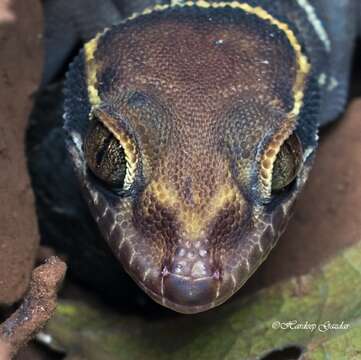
{"points": [[186, 284], [191, 278], [188, 292], [198, 286]]}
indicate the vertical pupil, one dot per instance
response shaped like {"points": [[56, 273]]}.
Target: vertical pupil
{"points": [[102, 149], [104, 155], [287, 163]]}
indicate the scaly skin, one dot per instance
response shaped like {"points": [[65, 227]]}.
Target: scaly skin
{"points": [[191, 106]]}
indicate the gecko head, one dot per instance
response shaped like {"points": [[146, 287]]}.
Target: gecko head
{"points": [[188, 131]]}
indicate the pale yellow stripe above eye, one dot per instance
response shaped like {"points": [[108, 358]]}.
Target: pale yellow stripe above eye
{"points": [[91, 70]]}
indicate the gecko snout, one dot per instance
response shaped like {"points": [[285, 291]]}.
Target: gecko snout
{"points": [[191, 279]]}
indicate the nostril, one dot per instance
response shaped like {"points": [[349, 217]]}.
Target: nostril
{"points": [[189, 292], [200, 269], [195, 269], [180, 267]]}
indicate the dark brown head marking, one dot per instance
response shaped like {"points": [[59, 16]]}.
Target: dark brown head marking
{"points": [[201, 91]]}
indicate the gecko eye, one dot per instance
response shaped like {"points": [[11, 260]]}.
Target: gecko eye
{"points": [[105, 156], [287, 163]]}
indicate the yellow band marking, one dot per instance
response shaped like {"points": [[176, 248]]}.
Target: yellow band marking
{"points": [[91, 69], [194, 220]]}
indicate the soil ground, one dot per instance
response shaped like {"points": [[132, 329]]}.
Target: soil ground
{"points": [[20, 71]]}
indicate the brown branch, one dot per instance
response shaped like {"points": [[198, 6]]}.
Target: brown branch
{"points": [[35, 310]]}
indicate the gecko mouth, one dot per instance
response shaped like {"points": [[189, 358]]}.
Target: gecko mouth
{"points": [[191, 283], [191, 279], [189, 295]]}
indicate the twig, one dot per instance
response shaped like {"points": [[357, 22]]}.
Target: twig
{"points": [[35, 310]]}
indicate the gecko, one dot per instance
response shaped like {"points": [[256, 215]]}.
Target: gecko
{"points": [[191, 128]]}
